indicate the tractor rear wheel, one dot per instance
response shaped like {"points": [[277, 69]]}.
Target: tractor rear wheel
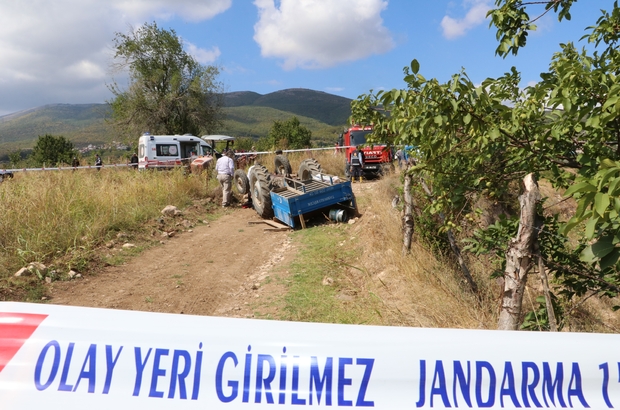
{"points": [[260, 184], [307, 168], [241, 182], [283, 166]]}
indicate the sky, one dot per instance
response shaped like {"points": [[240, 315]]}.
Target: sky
{"points": [[62, 51]]}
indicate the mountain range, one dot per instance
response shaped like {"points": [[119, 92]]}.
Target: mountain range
{"points": [[247, 114]]}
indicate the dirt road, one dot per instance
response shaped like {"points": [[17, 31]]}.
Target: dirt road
{"points": [[216, 269]]}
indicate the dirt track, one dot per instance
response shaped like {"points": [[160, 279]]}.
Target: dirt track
{"points": [[217, 269]]}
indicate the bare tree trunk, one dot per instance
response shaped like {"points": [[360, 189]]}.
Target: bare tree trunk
{"points": [[407, 214], [519, 257], [455, 248]]}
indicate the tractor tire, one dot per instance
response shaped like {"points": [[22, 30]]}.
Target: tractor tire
{"points": [[283, 166], [241, 182], [260, 185], [307, 168]]}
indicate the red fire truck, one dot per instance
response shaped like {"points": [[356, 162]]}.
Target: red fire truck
{"points": [[378, 158]]}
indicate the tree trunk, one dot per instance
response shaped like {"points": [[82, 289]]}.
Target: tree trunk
{"points": [[459, 258], [455, 247], [519, 257], [407, 214], [553, 326]]}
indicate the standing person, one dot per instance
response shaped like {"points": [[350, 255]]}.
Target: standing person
{"points": [[399, 158], [98, 162], [357, 163], [225, 168], [75, 163], [134, 161]]}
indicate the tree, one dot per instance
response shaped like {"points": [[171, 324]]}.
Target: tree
{"points": [[169, 91], [51, 150], [482, 141], [15, 157], [290, 134]]}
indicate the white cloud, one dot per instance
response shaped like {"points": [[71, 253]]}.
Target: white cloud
{"points": [[201, 55], [476, 14], [191, 10], [60, 51], [321, 33]]}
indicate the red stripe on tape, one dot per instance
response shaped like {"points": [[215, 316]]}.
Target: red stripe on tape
{"points": [[15, 329]]}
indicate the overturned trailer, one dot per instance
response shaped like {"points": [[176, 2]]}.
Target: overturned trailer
{"points": [[289, 199]]}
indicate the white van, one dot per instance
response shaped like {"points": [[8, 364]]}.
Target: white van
{"points": [[168, 151]]}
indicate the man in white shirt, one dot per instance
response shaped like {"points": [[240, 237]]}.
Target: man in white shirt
{"points": [[225, 168]]}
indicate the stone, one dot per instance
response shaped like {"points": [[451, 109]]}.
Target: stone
{"points": [[255, 286], [128, 245], [72, 274], [122, 235], [327, 281], [169, 210], [110, 245], [37, 265], [23, 272], [48, 279]]}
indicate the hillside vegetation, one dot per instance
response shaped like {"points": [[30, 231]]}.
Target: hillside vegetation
{"points": [[248, 114]]}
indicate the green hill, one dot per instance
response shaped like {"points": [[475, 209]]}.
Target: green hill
{"points": [[328, 108], [248, 114]]}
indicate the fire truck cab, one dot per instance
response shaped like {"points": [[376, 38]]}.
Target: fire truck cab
{"points": [[378, 158]]}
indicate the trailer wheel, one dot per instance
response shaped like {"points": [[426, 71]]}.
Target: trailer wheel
{"points": [[387, 169], [307, 168], [241, 182], [283, 165], [260, 184], [347, 170]]}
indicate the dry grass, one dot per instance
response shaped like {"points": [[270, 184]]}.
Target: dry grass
{"points": [[50, 214], [330, 163], [416, 289]]}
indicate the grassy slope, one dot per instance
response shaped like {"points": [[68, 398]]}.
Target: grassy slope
{"points": [[248, 114], [253, 121]]}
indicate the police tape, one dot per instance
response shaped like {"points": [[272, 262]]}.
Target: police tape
{"points": [[335, 148], [68, 168], [65, 357], [238, 154]]}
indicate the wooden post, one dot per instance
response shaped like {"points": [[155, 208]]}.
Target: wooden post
{"points": [[408, 223]]}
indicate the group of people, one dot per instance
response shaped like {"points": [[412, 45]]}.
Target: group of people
{"points": [[133, 162], [98, 162], [402, 156]]}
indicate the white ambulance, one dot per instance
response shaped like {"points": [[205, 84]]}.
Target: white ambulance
{"points": [[168, 151]]}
